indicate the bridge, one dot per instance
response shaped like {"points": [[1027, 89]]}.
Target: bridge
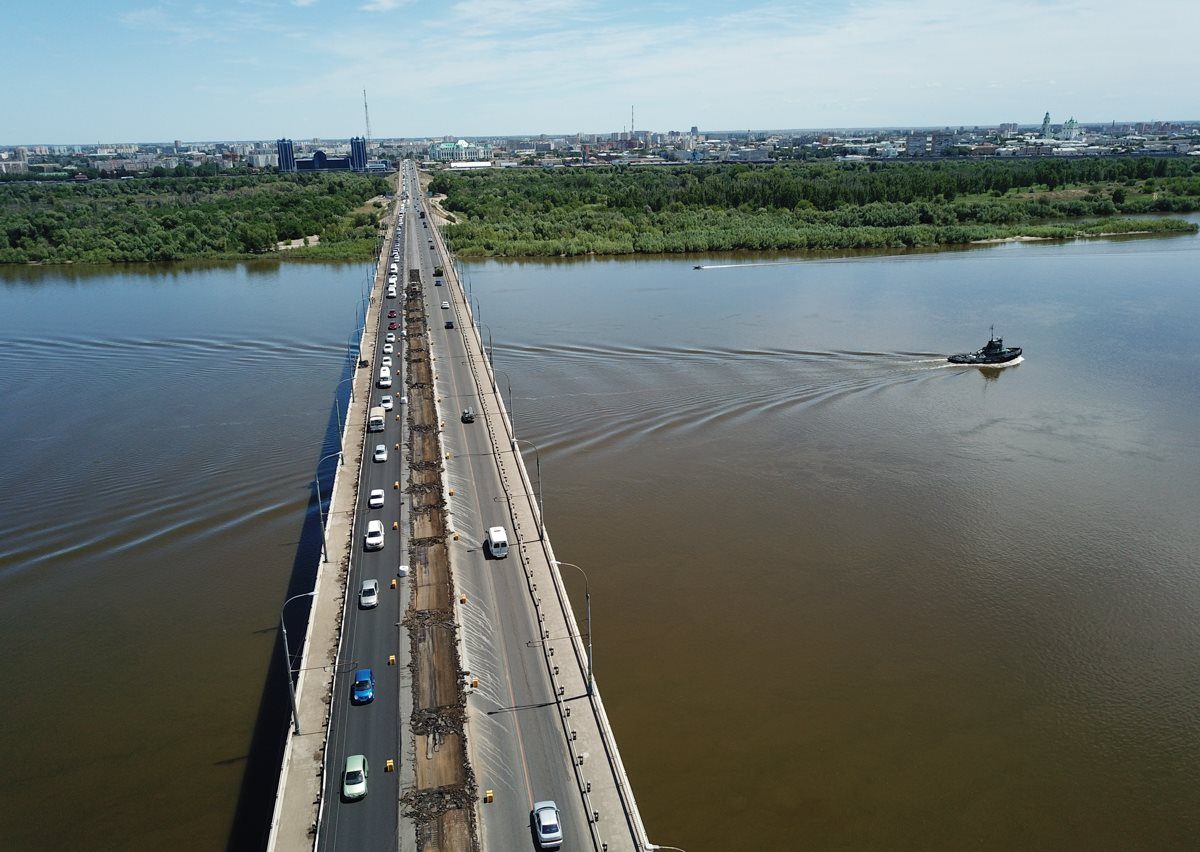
{"points": [[484, 696]]}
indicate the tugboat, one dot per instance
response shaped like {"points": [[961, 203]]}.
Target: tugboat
{"points": [[993, 354]]}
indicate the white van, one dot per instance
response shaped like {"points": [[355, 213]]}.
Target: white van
{"points": [[392, 268], [385, 377], [376, 419], [497, 542]]}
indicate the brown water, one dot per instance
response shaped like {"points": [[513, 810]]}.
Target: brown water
{"points": [[160, 432], [847, 596], [844, 595]]}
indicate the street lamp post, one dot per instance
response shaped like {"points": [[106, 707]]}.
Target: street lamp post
{"points": [[320, 510], [511, 415], [287, 657], [537, 455], [488, 351], [338, 410], [587, 596]]}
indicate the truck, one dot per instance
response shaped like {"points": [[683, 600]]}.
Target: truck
{"points": [[376, 419]]}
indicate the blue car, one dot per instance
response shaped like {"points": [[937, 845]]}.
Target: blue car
{"points": [[364, 687]]}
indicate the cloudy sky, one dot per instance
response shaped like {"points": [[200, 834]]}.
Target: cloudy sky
{"points": [[85, 71]]}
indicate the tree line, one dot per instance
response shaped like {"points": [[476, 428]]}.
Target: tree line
{"points": [[619, 210], [175, 218]]}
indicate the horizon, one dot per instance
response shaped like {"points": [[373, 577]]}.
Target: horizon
{"points": [[485, 68], [308, 140]]}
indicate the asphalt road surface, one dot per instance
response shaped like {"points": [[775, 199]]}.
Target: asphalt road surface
{"points": [[516, 739]]}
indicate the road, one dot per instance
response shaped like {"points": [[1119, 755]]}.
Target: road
{"points": [[371, 636], [515, 734]]}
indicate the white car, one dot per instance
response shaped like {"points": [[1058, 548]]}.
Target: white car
{"points": [[368, 595], [375, 499], [387, 361], [385, 402], [380, 453], [390, 337], [404, 400], [388, 348], [445, 306], [373, 540], [546, 825]]}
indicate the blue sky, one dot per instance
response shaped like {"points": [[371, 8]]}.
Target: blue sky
{"points": [[109, 71]]}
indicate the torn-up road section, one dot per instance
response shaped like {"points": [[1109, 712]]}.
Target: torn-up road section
{"points": [[442, 802]]}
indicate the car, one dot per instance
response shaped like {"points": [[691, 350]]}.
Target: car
{"points": [[546, 825], [390, 338], [373, 540], [386, 361], [385, 402], [392, 326], [468, 415], [380, 453], [354, 778], [368, 595], [449, 323], [437, 282], [403, 400], [388, 349], [375, 498], [392, 313], [445, 306], [363, 690]]}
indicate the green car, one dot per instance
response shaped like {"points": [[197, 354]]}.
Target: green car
{"points": [[354, 781]]}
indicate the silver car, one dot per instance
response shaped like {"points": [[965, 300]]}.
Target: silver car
{"points": [[368, 595], [546, 825], [354, 779], [380, 453]]}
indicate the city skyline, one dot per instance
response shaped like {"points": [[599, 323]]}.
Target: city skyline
{"points": [[254, 70]]}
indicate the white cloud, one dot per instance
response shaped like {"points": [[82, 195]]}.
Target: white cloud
{"points": [[383, 5]]}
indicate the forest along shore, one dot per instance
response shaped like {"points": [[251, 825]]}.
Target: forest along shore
{"points": [[808, 205], [191, 218]]}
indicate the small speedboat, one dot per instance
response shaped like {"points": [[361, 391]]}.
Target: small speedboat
{"points": [[994, 353], [697, 267]]}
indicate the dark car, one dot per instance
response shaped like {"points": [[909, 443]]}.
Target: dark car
{"points": [[449, 323], [392, 326], [392, 314], [468, 415]]}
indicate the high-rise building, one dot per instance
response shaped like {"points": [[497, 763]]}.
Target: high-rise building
{"points": [[358, 154], [287, 155]]}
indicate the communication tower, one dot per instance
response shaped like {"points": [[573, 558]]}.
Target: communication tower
{"points": [[367, 116]]}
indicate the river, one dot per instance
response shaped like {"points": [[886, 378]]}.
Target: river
{"points": [[843, 594]]}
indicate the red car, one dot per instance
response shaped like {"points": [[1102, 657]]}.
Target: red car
{"points": [[392, 326], [391, 314]]}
